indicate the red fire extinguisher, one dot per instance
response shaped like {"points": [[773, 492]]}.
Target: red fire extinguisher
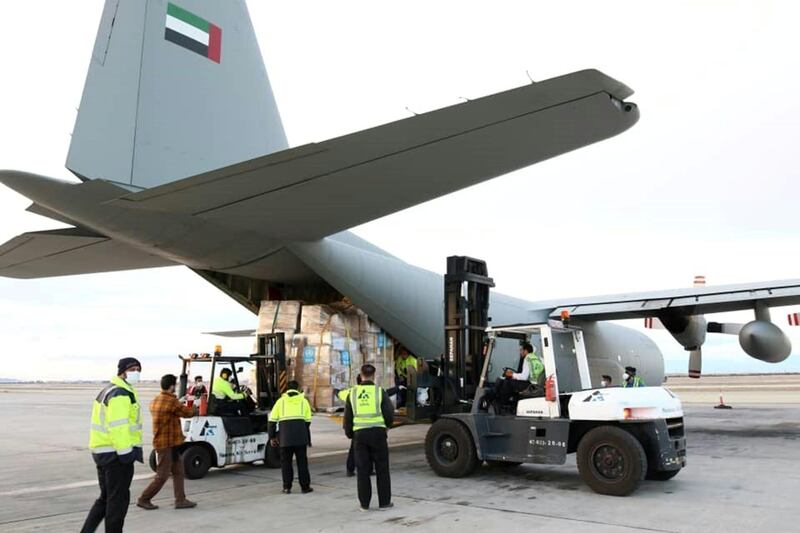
{"points": [[550, 389], [203, 405]]}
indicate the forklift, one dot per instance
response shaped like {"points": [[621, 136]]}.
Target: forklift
{"points": [[621, 435], [226, 432]]}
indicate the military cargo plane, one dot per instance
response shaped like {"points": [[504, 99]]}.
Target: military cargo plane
{"points": [[182, 160]]}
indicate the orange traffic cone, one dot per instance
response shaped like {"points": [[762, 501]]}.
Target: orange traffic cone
{"points": [[722, 404]]}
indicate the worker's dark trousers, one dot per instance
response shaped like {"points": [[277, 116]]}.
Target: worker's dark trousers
{"points": [[299, 452], [115, 495], [351, 457], [371, 448]]}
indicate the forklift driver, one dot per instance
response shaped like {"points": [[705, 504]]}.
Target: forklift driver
{"points": [[527, 380], [223, 389]]}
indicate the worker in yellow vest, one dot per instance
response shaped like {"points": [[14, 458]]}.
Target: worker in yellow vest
{"points": [[221, 388], [115, 440], [402, 363], [367, 415], [290, 428]]}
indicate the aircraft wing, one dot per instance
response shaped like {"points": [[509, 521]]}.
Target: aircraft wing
{"points": [[69, 251], [315, 190], [692, 301]]}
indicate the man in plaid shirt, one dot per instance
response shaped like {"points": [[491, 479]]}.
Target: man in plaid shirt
{"points": [[168, 440]]}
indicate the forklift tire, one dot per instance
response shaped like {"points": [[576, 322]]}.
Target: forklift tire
{"points": [[611, 461], [196, 461], [272, 456], [449, 449], [495, 463], [153, 461], [662, 475]]}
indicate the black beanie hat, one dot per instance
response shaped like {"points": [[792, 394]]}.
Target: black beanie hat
{"points": [[127, 362]]}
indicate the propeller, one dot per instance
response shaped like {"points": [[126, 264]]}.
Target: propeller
{"points": [[695, 363]]}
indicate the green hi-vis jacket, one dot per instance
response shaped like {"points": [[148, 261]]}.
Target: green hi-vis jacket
{"points": [[116, 431], [290, 419]]}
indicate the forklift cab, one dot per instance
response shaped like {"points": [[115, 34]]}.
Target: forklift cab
{"points": [[563, 353]]}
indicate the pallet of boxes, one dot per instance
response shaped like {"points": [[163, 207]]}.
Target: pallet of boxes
{"points": [[326, 346]]}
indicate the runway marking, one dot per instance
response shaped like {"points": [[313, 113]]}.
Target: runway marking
{"points": [[93, 482], [75, 485]]}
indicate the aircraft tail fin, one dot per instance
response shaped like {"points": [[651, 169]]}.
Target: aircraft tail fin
{"points": [[174, 89]]}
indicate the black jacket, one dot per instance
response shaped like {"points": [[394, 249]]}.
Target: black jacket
{"points": [[387, 410], [291, 432]]}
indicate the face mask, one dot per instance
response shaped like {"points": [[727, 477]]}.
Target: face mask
{"points": [[626, 376], [604, 383], [132, 377]]}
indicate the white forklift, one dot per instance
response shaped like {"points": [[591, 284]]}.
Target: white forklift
{"points": [[621, 435], [227, 432]]}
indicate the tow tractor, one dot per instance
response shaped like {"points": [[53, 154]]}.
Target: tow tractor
{"points": [[621, 435], [229, 432]]}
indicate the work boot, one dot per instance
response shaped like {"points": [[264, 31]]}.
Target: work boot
{"points": [[185, 504], [387, 506], [306, 490], [287, 490], [351, 473], [146, 504]]}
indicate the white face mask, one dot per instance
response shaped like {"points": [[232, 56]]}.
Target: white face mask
{"points": [[625, 376], [132, 377], [604, 383]]}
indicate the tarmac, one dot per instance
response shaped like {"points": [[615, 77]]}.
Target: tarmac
{"points": [[743, 473]]}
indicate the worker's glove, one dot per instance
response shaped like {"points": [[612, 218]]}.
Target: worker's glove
{"points": [[273, 442]]}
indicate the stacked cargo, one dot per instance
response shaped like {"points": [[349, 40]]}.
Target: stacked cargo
{"points": [[326, 345]]}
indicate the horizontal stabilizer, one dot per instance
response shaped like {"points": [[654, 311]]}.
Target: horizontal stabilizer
{"points": [[64, 252], [232, 334], [694, 301], [359, 177]]}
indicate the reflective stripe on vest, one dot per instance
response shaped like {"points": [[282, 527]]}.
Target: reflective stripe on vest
{"points": [[366, 403]]}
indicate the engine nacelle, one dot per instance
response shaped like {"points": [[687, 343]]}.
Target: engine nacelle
{"points": [[765, 341], [688, 330]]}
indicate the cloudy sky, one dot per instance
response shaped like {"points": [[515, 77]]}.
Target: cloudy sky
{"points": [[705, 183]]}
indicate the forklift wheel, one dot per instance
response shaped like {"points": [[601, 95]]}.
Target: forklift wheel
{"points": [[153, 461], [272, 456], [611, 461], [662, 475], [196, 461], [494, 463], [449, 449]]}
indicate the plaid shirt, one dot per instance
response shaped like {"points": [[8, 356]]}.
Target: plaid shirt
{"points": [[167, 412]]}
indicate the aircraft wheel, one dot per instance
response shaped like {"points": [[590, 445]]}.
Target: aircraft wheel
{"points": [[153, 461], [196, 461], [449, 449], [611, 461], [662, 475], [272, 456]]}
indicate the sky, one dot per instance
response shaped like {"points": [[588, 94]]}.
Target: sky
{"points": [[705, 183]]}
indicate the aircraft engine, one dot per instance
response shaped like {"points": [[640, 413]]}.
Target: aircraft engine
{"points": [[765, 341]]}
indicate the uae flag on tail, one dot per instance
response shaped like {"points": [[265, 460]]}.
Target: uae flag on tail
{"points": [[194, 33]]}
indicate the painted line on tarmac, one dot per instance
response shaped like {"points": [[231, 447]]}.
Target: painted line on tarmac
{"points": [[93, 482], [66, 486], [342, 452]]}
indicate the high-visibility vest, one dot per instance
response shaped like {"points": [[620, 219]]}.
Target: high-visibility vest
{"points": [[402, 365], [291, 407], [221, 388], [366, 402], [535, 366], [635, 381], [343, 394], [116, 420]]}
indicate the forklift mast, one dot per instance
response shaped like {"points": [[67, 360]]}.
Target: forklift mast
{"points": [[271, 378], [466, 317]]}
